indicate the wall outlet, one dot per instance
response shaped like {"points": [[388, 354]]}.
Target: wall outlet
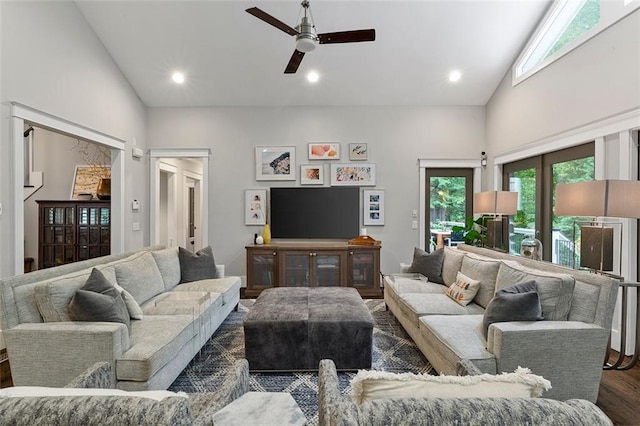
{"points": [[414, 224]]}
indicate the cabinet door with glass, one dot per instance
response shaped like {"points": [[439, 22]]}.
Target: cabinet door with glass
{"points": [[262, 270], [312, 268], [364, 270]]}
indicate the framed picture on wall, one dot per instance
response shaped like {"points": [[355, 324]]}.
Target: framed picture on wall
{"points": [[311, 174], [324, 151], [275, 163], [373, 202], [353, 174], [255, 206], [358, 151]]}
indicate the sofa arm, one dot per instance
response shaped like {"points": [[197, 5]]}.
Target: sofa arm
{"points": [[55, 353], [235, 384], [98, 376], [334, 408], [568, 353]]}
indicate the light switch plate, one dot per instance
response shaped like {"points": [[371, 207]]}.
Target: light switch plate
{"points": [[136, 226], [414, 224]]}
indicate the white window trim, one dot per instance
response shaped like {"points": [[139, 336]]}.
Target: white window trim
{"points": [[607, 19]]}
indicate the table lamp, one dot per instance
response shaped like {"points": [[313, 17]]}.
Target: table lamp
{"points": [[496, 203]]}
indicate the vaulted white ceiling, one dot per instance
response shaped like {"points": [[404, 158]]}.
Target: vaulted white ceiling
{"points": [[231, 58]]}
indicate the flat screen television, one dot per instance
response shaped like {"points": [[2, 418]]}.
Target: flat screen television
{"points": [[322, 213]]}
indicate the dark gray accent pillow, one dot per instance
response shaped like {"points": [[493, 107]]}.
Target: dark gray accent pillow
{"points": [[428, 264], [98, 300], [519, 302], [196, 266]]}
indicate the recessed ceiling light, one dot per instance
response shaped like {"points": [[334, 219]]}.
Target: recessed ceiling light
{"points": [[454, 76], [313, 77], [178, 77]]}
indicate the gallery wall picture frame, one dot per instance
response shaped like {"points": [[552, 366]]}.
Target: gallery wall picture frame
{"points": [[312, 174], [324, 151], [373, 206], [255, 206], [275, 163], [350, 174], [86, 178], [358, 152]]}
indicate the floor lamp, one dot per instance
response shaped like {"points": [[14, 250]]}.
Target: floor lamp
{"points": [[496, 203], [605, 198]]}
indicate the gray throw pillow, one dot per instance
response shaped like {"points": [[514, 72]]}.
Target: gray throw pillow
{"points": [[196, 266], [519, 302], [428, 264], [98, 300]]}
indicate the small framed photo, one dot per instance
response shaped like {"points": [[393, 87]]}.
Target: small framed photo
{"points": [[373, 207], [324, 151], [358, 151], [353, 174], [275, 163], [311, 174], [255, 206]]}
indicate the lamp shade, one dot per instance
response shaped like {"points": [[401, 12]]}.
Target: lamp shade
{"points": [[495, 202], [599, 198]]}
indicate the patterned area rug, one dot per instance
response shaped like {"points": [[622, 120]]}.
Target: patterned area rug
{"points": [[393, 350]]}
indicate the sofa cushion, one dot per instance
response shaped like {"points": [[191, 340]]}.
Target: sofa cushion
{"points": [[463, 290], [369, 385], [140, 276], [196, 266], [584, 303], [229, 287], [53, 296], [451, 265], [555, 290], [415, 305], [98, 301], [428, 264], [154, 341], [169, 266], [402, 285], [453, 338], [484, 270], [519, 302]]}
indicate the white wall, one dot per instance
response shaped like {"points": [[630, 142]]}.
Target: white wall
{"points": [[52, 61], [597, 80], [397, 138]]}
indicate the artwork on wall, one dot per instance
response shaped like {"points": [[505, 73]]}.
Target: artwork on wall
{"points": [[358, 151], [86, 178], [255, 206], [353, 175], [275, 163], [373, 207], [311, 174], [324, 151]]}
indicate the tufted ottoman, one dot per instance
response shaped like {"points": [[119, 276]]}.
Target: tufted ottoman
{"points": [[293, 328]]}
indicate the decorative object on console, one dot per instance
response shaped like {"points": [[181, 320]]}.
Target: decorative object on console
{"points": [[255, 206], [275, 163], [196, 266], [531, 248], [103, 191], [353, 175], [364, 240], [311, 174], [373, 207], [496, 203], [266, 233], [324, 151], [358, 151]]}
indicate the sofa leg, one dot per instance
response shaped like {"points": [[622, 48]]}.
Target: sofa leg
{"points": [[235, 309]]}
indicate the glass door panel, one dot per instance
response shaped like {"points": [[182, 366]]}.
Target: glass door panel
{"points": [[296, 269], [362, 269], [327, 269], [523, 223]]}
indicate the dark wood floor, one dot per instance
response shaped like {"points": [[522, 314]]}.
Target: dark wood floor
{"points": [[619, 395]]}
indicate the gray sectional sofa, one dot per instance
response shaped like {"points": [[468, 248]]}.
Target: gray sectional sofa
{"points": [[46, 348], [568, 347]]}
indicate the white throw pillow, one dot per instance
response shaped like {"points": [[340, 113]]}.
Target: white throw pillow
{"points": [[40, 391], [463, 290], [135, 311], [371, 385]]}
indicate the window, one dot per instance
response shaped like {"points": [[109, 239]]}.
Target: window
{"points": [[567, 24], [535, 179]]}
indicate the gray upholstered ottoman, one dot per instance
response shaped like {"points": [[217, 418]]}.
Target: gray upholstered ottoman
{"points": [[293, 328]]}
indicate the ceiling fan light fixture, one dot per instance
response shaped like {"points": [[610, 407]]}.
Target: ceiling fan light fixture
{"points": [[305, 43]]}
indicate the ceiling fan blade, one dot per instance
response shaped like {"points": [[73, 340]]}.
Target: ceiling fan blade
{"points": [[294, 62], [260, 14], [347, 36]]}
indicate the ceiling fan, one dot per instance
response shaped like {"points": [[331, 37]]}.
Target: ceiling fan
{"points": [[306, 37]]}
